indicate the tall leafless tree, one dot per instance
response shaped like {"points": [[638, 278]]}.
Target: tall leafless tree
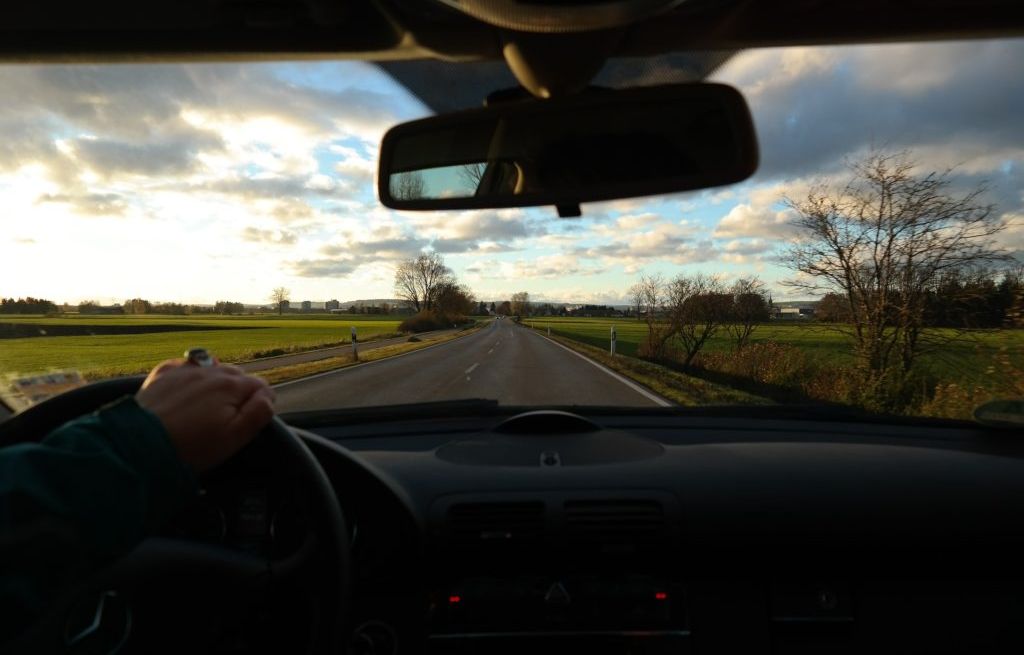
{"points": [[417, 280], [280, 296], [408, 186], [649, 297], [635, 294], [881, 242], [472, 175], [521, 303]]}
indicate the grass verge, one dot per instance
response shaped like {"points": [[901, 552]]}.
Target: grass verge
{"points": [[298, 371], [672, 385], [294, 350]]}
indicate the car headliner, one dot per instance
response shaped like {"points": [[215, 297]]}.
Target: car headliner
{"points": [[414, 29], [421, 43]]}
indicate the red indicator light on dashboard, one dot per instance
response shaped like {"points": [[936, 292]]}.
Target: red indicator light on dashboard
{"points": [[454, 600], [660, 595]]}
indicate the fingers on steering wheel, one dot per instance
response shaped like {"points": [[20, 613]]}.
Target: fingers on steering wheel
{"points": [[163, 367], [246, 385], [254, 413]]}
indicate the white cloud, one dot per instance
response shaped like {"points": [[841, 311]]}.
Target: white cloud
{"points": [[545, 267], [749, 220], [632, 222], [354, 166], [275, 237], [1012, 238]]}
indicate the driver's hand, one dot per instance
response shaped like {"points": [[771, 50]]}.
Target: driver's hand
{"points": [[209, 412]]}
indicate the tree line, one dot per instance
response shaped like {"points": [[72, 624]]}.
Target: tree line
{"points": [[30, 305], [971, 299], [143, 306], [27, 305], [132, 306], [684, 313]]}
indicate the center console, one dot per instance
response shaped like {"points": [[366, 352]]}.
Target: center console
{"points": [[551, 574]]}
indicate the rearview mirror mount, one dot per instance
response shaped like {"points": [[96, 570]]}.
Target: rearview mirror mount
{"points": [[599, 145]]}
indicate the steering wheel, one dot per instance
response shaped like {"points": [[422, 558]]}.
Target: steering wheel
{"points": [[105, 599]]}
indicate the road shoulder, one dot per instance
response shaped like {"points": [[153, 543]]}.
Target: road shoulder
{"points": [[673, 386]]}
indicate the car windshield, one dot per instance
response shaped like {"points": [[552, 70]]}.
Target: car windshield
{"points": [[873, 261]]}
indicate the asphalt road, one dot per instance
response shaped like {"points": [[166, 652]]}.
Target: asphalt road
{"points": [[502, 361]]}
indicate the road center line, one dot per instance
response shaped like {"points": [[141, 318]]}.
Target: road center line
{"points": [[470, 369], [490, 351]]}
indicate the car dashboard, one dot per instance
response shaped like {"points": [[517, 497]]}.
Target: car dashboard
{"points": [[655, 533]]}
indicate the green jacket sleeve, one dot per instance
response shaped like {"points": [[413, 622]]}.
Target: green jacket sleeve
{"points": [[80, 498]]}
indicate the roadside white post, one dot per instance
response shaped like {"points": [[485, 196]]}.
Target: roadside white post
{"points": [[549, 330], [613, 341], [355, 344]]}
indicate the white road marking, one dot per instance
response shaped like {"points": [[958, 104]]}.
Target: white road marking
{"points": [[490, 351], [470, 369], [624, 380]]}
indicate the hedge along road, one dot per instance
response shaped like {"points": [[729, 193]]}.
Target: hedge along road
{"points": [[503, 362]]}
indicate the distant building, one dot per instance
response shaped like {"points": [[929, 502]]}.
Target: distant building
{"points": [[307, 305], [793, 313], [331, 305]]}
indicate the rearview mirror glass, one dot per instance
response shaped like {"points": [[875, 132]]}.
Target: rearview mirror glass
{"points": [[596, 146]]}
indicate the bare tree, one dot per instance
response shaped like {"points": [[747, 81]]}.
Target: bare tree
{"points": [[521, 303], [417, 280], [409, 186], [749, 307], [635, 294], [650, 302], [472, 175], [697, 307], [881, 242], [279, 297]]}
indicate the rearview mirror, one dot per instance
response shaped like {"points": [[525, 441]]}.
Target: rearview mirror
{"points": [[600, 145]]}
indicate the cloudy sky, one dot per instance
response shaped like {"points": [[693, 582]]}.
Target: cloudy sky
{"points": [[197, 183]]}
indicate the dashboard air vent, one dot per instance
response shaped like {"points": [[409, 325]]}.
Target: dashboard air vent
{"points": [[509, 523], [616, 523]]}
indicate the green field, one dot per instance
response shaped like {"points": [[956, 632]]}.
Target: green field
{"points": [[965, 361], [232, 338]]}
